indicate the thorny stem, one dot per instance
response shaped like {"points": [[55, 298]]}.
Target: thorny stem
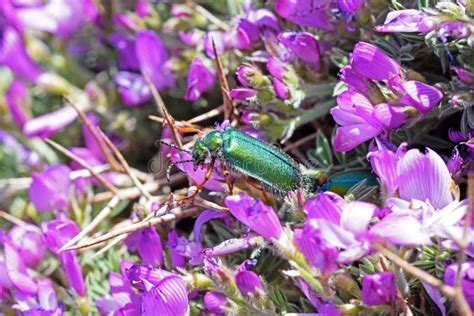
{"points": [[229, 108], [95, 222], [163, 110], [457, 297], [84, 164], [126, 167], [12, 219], [108, 155], [134, 227]]}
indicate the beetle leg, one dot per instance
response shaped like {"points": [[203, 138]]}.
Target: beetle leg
{"points": [[199, 187], [183, 130], [228, 179], [259, 187]]}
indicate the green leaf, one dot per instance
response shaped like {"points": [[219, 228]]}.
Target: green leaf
{"points": [[279, 299]]}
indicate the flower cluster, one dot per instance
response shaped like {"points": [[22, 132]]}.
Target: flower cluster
{"points": [[331, 169]]}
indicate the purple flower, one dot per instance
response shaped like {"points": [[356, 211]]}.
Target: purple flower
{"points": [[125, 45], [206, 216], [152, 57], [304, 45], [49, 124], [420, 95], [354, 80], [29, 244], [56, 233], [372, 63], [427, 205], [276, 68], [177, 259], [16, 269], [255, 214], [250, 29], [467, 279], [200, 79], [317, 252], [132, 88], [14, 56], [280, 89], [124, 300], [16, 98], [339, 225], [242, 93], [263, 18], [49, 190], [59, 17], [355, 114], [248, 282], [164, 293], [191, 37], [407, 21], [378, 288], [219, 41], [455, 29], [215, 302], [349, 6], [148, 243], [390, 116], [465, 75], [305, 13]]}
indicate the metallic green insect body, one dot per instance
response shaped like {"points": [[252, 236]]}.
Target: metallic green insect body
{"points": [[243, 154], [342, 182]]}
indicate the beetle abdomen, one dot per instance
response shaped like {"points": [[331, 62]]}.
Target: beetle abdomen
{"points": [[261, 161]]}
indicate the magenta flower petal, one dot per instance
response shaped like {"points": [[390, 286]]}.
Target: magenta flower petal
{"points": [[49, 190], [50, 123], [13, 55], [150, 247], [242, 93], [206, 216], [349, 137], [424, 177], [177, 259], [435, 295], [248, 282], [406, 21], [384, 164], [372, 63], [17, 100], [125, 45], [200, 79], [29, 243], [280, 89], [215, 302], [379, 288], [276, 67], [255, 214], [467, 279], [132, 88], [168, 298], [58, 16], [314, 248], [401, 230], [353, 79], [349, 6], [326, 206], [56, 233], [47, 296], [357, 215], [420, 95], [303, 13], [390, 116], [304, 45], [152, 56], [16, 269]]}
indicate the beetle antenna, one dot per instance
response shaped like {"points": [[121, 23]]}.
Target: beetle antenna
{"points": [[174, 146], [171, 165]]}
